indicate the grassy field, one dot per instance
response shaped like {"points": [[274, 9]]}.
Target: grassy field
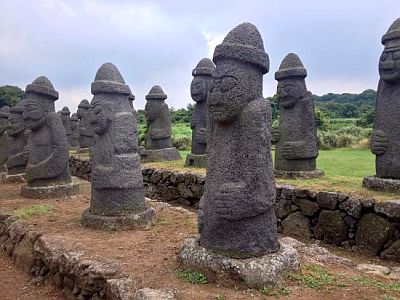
{"points": [[344, 171]]}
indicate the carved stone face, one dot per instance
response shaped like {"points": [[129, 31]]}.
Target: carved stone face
{"points": [[289, 92], [34, 116], [99, 119], [389, 66], [81, 112], [3, 125], [230, 90], [16, 124], [198, 89], [152, 109]]}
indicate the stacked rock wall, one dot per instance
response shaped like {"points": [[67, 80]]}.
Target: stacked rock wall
{"points": [[356, 223]]}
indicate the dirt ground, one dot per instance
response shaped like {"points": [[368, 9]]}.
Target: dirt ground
{"points": [[149, 256]]}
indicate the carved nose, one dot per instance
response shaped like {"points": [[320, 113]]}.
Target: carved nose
{"points": [[388, 65]]}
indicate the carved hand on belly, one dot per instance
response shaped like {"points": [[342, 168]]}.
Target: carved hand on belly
{"points": [[379, 142], [201, 136]]}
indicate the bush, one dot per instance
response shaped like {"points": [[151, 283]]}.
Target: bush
{"points": [[182, 142]]}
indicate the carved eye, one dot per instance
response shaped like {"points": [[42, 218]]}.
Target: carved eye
{"points": [[98, 109], [396, 55], [288, 88], [228, 83], [384, 56]]}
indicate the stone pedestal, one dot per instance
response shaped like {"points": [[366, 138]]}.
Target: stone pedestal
{"points": [[299, 174], [381, 184], [198, 161], [52, 191], [14, 178], [256, 273], [141, 220], [160, 155]]}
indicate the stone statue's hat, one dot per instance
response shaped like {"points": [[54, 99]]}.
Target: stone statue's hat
{"points": [[18, 108], [109, 80], [244, 43], [65, 111], [204, 67], [43, 87], [392, 36], [291, 66], [156, 93], [74, 117], [84, 104], [4, 112]]}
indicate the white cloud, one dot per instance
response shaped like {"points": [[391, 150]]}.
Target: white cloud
{"points": [[213, 39]]}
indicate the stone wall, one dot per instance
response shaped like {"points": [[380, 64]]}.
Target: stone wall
{"points": [[358, 224]]}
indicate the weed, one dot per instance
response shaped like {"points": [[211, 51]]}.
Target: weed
{"points": [[219, 297], [26, 213], [313, 276], [393, 286], [192, 276]]}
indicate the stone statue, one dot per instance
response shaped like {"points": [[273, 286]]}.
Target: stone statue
{"points": [[47, 172], [117, 184], [199, 91], [18, 152], [296, 137], [85, 130], [385, 137], [65, 118], [158, 142], [4, 113], [74, 131], [237, 223]]}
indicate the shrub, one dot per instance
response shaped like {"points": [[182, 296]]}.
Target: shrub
{"points": [[182, 142]]}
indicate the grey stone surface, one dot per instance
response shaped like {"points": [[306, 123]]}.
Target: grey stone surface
{"points": [[393, 252], [165, 154], [158, 120], [65, 118], [389, 208], [74, 131], [352, 206], [308, 207], [381, 184], [85, 129], [17, 136], [236, 214], [372, 234], [296, 146], [194, 160], [117, 182], [4, 113], [299, 174], [153, 294], [47, 143], [199, 90], [255, 273], [52, 191], [374, 269], [327, 200], [385, 137], [297, 225], [331, 227]]}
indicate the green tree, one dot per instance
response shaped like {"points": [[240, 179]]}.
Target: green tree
{"points": [[10, 95]]}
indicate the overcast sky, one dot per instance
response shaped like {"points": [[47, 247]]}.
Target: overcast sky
{"points": [[160, 42]]}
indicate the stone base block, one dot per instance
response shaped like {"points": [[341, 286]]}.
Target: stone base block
{"points": [[197, 161], [160, 155], [52, 191], [15, 178], [381, 184], [141, 220], [83, 150], [256, 273], [299, 174]]}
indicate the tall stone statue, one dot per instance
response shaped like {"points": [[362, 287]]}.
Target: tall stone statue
{"points": [[65, 118], [236, 215], [199, 91], [385, 137], [74, 131], [117, 184], [17, 145], [47, 172], [85, 130], [296, 137], [4, 113], [158, 142]]}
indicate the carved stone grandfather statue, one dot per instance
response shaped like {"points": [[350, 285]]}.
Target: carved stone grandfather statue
{"points": [[158, 142], [296, 137], [236, 215], [85, 130], [74, 131], [47, 172], [4, 113], [117, 200], [65, 118], [385, 137], [17, 146], [199, 91]]}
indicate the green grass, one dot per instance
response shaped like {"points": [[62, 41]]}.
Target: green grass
{"points": [[192, 276], [315, 277], [382, 285], [181, 130], [34, 210]]}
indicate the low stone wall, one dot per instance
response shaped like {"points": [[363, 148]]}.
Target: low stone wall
{"points": [[358, 224]]}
